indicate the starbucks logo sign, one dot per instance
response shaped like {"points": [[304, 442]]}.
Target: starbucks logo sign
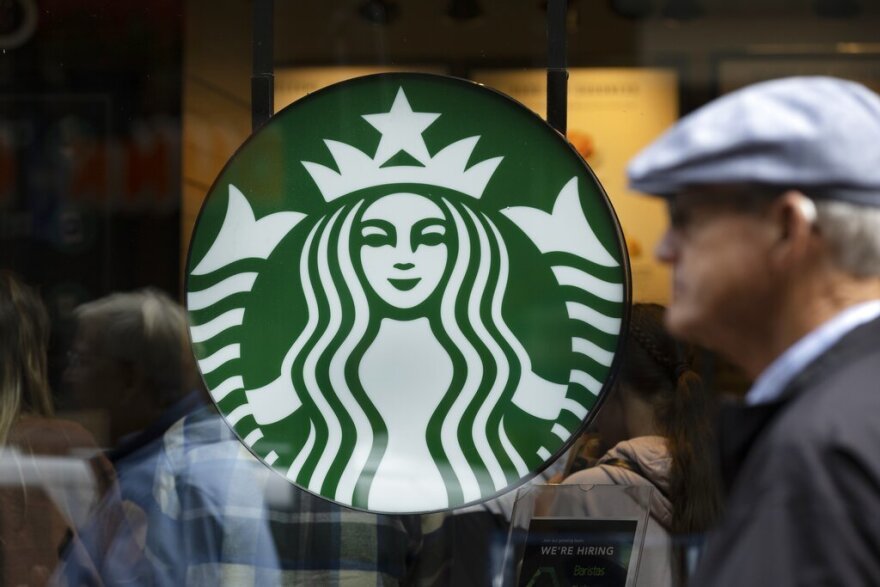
{"points": [[406, 293]]}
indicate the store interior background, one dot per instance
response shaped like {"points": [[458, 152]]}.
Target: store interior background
{"points": [[118, 117], [695, 40], [691, 38]]}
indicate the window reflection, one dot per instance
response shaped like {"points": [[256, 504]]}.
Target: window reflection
{"points": [[115, 118]]}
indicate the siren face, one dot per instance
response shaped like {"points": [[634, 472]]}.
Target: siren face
{"points": [[403, 251]]}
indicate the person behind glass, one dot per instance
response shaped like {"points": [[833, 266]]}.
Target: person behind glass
{"points": [[37, 493], [655, 426], [130, 361], [774, 241]]}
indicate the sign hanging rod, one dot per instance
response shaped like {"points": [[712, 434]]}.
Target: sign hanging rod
{"points": [[557, 72], [263, 79]]}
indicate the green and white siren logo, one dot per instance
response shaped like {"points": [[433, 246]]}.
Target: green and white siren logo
{"points": [[406, 293]]}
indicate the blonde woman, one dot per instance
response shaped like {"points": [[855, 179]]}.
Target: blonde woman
{"points": [[35, 517]]}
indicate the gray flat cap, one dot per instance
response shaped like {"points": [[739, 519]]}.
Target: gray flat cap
{"points": [[818, 134]]}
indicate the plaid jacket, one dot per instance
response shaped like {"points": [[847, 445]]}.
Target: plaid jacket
{"points": [[222, 517]]}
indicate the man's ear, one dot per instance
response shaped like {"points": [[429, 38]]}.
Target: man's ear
{"points": [[132, 379], [794, 215]]}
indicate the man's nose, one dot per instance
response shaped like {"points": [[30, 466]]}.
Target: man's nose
{"points": [[404, 266], [665, 250]]}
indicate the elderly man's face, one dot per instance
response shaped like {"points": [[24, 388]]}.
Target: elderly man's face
{"points": [[92, 379], [722, 283]]}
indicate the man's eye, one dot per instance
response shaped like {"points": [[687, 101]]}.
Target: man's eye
{"points": [[678, 219]]}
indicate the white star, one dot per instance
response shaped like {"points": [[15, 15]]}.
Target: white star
{"points": [[401, 130]]}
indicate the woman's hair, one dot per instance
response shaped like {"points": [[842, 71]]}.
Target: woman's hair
{"points": [[339, 329], [24, 339], [658, 369]]}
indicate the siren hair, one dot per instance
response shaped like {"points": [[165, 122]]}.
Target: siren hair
{"points": [[337, 334]]}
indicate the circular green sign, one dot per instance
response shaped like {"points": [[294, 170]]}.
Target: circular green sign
{"points": [[406, 293]]}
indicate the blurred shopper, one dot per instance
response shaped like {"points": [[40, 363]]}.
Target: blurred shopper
{"points": [[656, 427], [130, 360], [774, 242], [44, 486]]}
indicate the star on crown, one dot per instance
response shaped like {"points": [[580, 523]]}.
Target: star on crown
{"points": [[401, 130]]}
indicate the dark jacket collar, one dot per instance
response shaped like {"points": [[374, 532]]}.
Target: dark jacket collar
{"points": [[741, 425], [153, 433]]}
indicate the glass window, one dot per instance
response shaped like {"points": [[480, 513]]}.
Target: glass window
{"points": [[116, 119]]}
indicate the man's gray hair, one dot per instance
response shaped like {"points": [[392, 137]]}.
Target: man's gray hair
{"points": [[853, 233], [147, 329]]}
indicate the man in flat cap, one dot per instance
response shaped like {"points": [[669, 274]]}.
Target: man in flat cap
{"points": [[774, 242]]}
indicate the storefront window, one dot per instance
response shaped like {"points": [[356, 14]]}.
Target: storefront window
{"points": [[116, 120]]}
